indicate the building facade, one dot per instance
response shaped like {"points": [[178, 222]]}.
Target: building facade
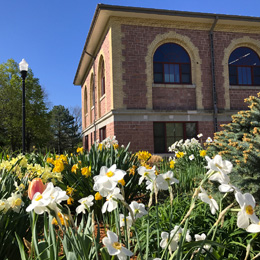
{"points": [[151, 77]]}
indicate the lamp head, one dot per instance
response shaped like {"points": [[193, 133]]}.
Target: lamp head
{"points": [[23, 66]]}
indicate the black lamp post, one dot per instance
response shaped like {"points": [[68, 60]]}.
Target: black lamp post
{"points": [[23, 65]]}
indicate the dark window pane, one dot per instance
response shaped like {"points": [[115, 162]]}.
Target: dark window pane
{"points": [[158, 78], [244, 56], [191, 130], [256, 71], [171, 52], [257, 81], [232, 75], [158, 67], [158, 129], [159, 137], [185, 68]]}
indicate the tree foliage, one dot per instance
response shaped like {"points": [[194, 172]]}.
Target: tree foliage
{"points": [[37, 123], [65, 131], [239, 142], [44, 129]]}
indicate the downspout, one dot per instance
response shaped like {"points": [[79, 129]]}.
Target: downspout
{"points": [[214, 92], [94, 87]]}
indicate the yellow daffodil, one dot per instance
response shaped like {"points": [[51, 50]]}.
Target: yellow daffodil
{"points": [[98, 196], [122, 182], [172, 163], [80, 150], [74, 168], [86, 171], [203, 153]]}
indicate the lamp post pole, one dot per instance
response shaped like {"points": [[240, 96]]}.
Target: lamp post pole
{"points": [[23, 69]]}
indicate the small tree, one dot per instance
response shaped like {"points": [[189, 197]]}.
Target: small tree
{"points": [[239, 142], [65, 131]]}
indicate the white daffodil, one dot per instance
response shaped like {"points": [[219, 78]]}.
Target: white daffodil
{"points": [[85, 204], [209, 200], [254, 228], [4, 206], [174, 237], [148, 174], [191, 157], [15, 202], [199, 135], [39, 203], [218, 165], [114, 247], [165, 239], [165, 180], [247, 204], [50, 197], [138, 209], [107, 179], [128, 220], [111, 202], [203, 237], [209, 140]]}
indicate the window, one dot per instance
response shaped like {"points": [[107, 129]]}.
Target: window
{"points": [[244, 67], [85, 101], [86, 143], [102, 133], [171, 64], [102, 79], [165, 134]]}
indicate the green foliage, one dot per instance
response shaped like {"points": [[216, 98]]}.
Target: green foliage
{"points": [[37, 124], [65, 131], [239, 142]]}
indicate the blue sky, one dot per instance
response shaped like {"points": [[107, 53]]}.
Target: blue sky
{"points": [[50, 35]]}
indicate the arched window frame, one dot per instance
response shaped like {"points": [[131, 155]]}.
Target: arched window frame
{"points": [[85, 101], [175, 69], [102, 78], [92, 92], [244, 74]]}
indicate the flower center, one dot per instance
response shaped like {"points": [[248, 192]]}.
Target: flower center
{"points": [[117, 245], [39, 197], [136, 211], [110, 174], [18, 202], [146, 173], [210, 197], [249, 210], [217, 165]]}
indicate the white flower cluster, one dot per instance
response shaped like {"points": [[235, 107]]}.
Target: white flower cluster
{"points": [[108, 142], [173, 238], [14, 202], [188, 143], [218, 170], [160, 181], [47, 200]]}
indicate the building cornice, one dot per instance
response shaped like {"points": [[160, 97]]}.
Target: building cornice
{"points": [[105, 12]]}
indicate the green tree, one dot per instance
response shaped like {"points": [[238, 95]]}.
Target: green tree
{"points": [[65, 131], [37, 122], [239, 142]]}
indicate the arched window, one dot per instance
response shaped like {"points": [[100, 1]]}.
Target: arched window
{"points": [[93, 90], [102, 78], [244, 67], [85, 101], [171, 64]]}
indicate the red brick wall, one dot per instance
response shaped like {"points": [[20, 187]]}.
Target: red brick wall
{"points": [[138, 133], [177, 98], [237, 97]]}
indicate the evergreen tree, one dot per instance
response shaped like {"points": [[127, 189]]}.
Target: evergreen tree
{"points": [[37, 122], [239, 142], [65, 131]]}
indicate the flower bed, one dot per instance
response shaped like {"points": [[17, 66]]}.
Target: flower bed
{"points": [[58, 206]]}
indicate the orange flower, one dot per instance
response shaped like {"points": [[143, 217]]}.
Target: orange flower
{"points": [[36, 185]]}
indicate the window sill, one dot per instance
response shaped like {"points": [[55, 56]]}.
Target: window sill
{"points": [[158, 85], [102, 97], [86, 114], [244, 87], [92, 108]]}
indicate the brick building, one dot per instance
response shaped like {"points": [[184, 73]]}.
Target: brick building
{"points": [[151, 77]]}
